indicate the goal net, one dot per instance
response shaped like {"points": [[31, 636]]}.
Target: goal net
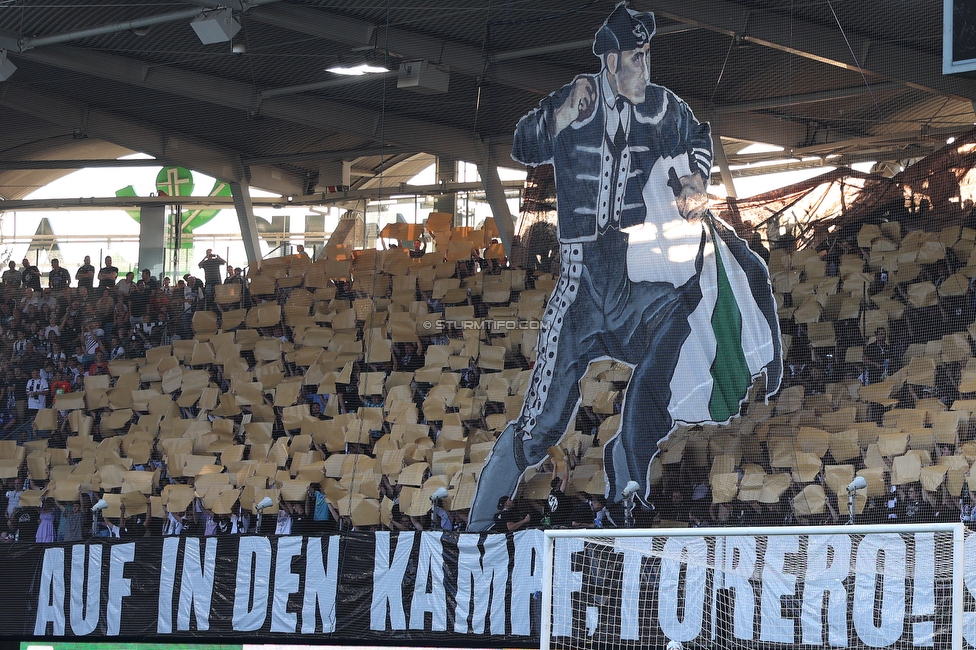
{"points": [[825, 586]]}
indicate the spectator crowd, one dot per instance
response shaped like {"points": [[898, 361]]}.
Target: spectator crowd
{"points": [[365, 391]]}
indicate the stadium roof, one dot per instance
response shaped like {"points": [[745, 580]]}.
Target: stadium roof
{"points": [[851, 80]]}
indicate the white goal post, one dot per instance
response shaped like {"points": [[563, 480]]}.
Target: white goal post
{"points": [[893, 586]]}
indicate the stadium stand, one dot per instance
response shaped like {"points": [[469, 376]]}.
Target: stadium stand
{"points": [[364, 390]]}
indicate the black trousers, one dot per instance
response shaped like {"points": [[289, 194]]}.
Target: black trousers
{"points": [[595, 312]]}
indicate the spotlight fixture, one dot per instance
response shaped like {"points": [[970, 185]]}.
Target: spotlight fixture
{"points": [[7, 68], [216, 26], [423, 77], [356, 70], [358, 65], [100, 505]]}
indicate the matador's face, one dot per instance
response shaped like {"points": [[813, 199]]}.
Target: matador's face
{"points": [[631, 74]]}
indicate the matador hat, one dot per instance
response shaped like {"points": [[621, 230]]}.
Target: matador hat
{"points": [[624, 30]]}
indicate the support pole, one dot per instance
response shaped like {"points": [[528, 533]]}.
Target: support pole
{"points": [[723, 166], [249, 225], [495, 193], [446, 169], [152, 238]]}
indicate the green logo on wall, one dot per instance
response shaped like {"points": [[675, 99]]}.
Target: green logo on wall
{"points": [[178, 181]]}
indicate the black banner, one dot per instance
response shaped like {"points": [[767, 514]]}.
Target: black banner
{"points": [[429, 588]]}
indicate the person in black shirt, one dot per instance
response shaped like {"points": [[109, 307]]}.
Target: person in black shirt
{"points": [[24, 523], [151, 283], [85, 274], [408, 357], [877, 356], [107, 275], [138, 303], [234, 276], [58, 277], [558, 510], [31, 359], [18, 384], [508, 519], [419, 249], [917, 510], [31, 274], [211, 271], [301, 520], [133, 527]]}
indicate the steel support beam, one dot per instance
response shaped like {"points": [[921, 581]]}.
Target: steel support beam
{"points": [[79, 163], [152, 238], [495, 193], [317, 112], [221, 203], [102, 163], [284, 91], [445, 171], [806, 98], [249, 225], [723, 165], [888, 60], [408, 44], [338, 154], [582, 44], [30, 42], [163, 144]]}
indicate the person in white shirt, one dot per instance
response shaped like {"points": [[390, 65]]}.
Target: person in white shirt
{"points": [[47, 298], [13, 496], [117, 351], [53, 326], [173, 524], [125, 285], [30, 298], [37, 388], [111, 529], [283, 525], [240, 521], [56, 354], [20, 345]]}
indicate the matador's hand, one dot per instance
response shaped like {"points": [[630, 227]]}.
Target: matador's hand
{"points": [[579, 105], [692, 202]]}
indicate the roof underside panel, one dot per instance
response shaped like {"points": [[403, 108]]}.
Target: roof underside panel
{"points": [[276, 104]]}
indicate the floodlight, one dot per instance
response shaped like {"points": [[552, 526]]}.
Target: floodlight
{"points": [[858, 483], [356, 70], [266, 502], [100, 505], [358, 65]]}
